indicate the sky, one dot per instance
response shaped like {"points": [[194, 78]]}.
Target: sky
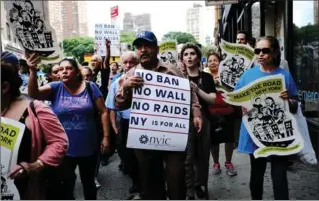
{"points": [[303, 12], [166, 16]]}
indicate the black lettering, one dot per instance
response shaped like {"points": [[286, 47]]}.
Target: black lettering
{"points": [[170, 95], [160, 93], [143, 121], [136, 105], [157, 107], [166, 141], [134, 120], [145, 106], [185, 112], [159, 78], [147, 91], [177, 110], [165, 109], [175, 82]]}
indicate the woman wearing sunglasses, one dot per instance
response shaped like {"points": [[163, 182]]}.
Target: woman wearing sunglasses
{"points": [[268, 55], [76, 103]]}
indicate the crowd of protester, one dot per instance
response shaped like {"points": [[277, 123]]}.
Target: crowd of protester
{"points": [[80, 118]]}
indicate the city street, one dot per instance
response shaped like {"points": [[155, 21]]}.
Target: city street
{"points": [[303, 182]]}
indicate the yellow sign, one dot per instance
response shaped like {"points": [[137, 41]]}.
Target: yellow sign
{"points": [[9, 135]]}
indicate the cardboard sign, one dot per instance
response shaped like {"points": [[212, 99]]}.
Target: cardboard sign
{"points": [[30, 28], [160, 113], [11, 136], [107, 31], [269, 122]]}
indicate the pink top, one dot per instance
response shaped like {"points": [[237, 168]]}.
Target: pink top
{"points": [[47, 128]]}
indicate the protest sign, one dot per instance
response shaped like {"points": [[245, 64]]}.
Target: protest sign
{"points": [[110, 32], [11, 136], [33, 32], [168, 52], [236, 59], [160, 113], [269, 122]]}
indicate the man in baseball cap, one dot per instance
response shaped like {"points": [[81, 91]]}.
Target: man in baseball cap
{"points": [[150, 162]]}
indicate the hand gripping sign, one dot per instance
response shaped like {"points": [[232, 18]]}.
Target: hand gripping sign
{"points": [[160, 113]]}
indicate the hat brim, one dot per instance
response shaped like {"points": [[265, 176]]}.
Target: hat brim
{"points": [[139, 40]]}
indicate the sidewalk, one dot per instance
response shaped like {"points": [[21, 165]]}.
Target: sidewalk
{"points": [[303, 182]]}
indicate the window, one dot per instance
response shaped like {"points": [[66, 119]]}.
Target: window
{"points": [[306, 55], [8, 32]]}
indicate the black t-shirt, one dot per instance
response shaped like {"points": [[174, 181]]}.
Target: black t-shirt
{"points": [[206, 83]]}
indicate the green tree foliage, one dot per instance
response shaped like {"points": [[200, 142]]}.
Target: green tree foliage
{"points": [[306, 34], [127, 37], [45, 67], [78, 46], [180, 37]]}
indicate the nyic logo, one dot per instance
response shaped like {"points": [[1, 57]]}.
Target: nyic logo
{"points": [[157, 141], [143, 139]]}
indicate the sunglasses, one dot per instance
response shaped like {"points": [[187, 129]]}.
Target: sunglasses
{"points": [[263, 50]]}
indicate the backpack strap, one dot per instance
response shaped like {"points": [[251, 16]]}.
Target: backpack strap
{"points": [[33, 109], [88, 86]]}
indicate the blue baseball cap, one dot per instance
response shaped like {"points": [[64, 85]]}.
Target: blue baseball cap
{"points": [[9, 57], [145, 36]]}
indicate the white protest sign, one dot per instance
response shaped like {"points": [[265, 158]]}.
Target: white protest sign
{"points": [[107, 31], [269, 122], [11, 136], [160, 113], [236, 59], [32, 30]]}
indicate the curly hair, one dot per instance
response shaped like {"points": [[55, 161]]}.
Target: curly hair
{"points": [[194, 47]]}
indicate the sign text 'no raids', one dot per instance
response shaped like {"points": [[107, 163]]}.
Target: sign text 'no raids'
{"points": [[160, 113], [107, 31]]}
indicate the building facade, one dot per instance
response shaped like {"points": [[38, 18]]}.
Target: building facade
{"points": [[74, 18], [128, 22], [137, 23], [55, 18], [142, 22], [197, 19], [295, 25]]}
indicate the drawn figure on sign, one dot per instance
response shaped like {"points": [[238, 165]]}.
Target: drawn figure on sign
{"points": [[170, 58], [28, 6], [163, 57], [15, 19], [39, 26], [267, 117], [279, 116], [257, 103], [26, 21], [4, 186], [270, 103]]}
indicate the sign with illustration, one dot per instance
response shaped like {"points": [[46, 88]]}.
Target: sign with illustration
{"points": [[28, 25], [11, 136], [168, 52], [268, 120], [160, 113], [111, 32], [236, 59]]}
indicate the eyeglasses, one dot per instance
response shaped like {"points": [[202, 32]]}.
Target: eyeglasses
{"points": [[263, 50]]}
